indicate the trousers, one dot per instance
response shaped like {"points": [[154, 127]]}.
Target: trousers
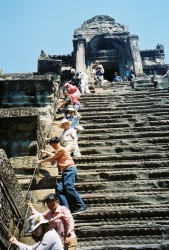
{"points": [[66, 191], [85, 88]]}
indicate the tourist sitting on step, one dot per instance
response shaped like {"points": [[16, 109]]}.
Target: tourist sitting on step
{"points": [[83, 78], [41, 229], [66, 191], [60, 218], [99, 71], [116, 77], [72, 89]]}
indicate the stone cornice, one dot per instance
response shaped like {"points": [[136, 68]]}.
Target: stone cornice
{"points": [[24, 77], [18, 112]]}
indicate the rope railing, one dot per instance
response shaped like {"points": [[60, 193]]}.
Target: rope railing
{"points": [[19, 221], [28, 190]]}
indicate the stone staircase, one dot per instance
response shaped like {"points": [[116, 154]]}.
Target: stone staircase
{"points": [[123, 172]]}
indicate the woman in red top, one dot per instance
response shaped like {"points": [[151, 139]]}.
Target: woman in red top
{"points": [[72, 89]]}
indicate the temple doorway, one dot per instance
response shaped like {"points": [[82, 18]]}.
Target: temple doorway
{"points": [[110, 68]]}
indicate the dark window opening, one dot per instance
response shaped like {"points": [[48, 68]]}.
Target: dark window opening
{"points": [[109, 73], [109, 69]]}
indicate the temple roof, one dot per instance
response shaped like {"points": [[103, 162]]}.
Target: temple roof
{"points": [[99, 25]]}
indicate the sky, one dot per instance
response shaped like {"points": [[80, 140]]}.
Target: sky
{"points": [[28, 26]]}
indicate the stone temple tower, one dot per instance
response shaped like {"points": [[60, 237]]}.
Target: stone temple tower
{"points": [[101, 38]]}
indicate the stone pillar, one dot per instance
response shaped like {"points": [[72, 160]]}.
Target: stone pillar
{"points": [[135, 54], [80, 55]]}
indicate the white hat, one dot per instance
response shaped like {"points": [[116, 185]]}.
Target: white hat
{"points": [[73, 70], [71, 108], [64, 121], [35, 221]]}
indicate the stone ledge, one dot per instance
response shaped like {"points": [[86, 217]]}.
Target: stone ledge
{"points": [[24, 76]]}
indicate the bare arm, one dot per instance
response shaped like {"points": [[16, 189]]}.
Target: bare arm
{"points": [[164, 75], [14, 241], [33, 210], [47, 152], [50, 158], [63, 104], [78, 115]]}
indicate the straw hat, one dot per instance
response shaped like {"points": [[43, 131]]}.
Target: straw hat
{"points": [[64, 121], [35, 221]]}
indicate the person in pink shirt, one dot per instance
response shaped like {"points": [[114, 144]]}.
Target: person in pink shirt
{"points": [[76, 103], [60, 219], [72, 89]]}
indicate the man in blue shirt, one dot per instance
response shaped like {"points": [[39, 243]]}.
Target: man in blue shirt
{"points": [[117, 78], [129, 77]]}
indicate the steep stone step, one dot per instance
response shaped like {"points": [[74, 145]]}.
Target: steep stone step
{"points": [[115, 186], [120, 148], [162, 141], [123, 165], [128, 199], [124, 128], [113, 183], [132, 109], [131, 243], [124, 135], [111, 115], [116, 114], [121, 157]]}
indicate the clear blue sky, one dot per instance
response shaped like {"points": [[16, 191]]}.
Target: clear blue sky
{"points": [[27, 26]]}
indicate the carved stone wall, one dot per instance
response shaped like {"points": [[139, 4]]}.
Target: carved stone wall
{"points": [[27, 105], [18, 130], [153, 61], [48, 64], [12, 202]]}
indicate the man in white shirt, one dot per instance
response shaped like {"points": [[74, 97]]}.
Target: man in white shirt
{"points": [[84, 80]]}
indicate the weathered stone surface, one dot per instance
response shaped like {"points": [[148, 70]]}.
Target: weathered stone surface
{"points": [[100, 25], [12, 202], [46, 64]]}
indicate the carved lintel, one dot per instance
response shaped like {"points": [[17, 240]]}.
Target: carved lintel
{"points": [[18, 112]]}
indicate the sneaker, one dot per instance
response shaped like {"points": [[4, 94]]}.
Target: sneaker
{"points": [[58, 111], [80, 210]]}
